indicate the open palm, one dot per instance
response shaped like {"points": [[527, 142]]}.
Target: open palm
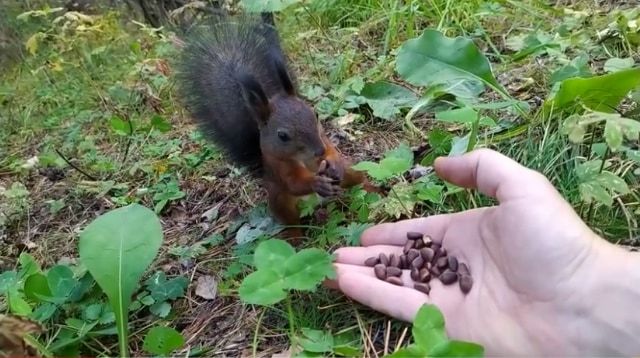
{"points": [[527, 257]]}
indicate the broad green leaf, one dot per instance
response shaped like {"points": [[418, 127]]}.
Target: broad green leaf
{"points": [[160, 124], [592, 190], [120, 126], [147, 300], [432, 59], [43, 312], [394, 165], [457, 349], [430, 192], [271, 254], [307, 268], [36, 287], [267, 5], [160, 309], [613, 182], [28, 266], [395, 162], [600, 93], [574, 129], [17, 304], [578, 67], [613, 135], [7, 280], [263, 287], [413, 351], [93, 312], [618, 64], [386, 99], [352, 233], [61, 281], [162, 289], [464, 115], [633, 155], [459, 145], [162, 341], [316, 341], [428, 327], [117, 248], [588, 170], [404, 157]]}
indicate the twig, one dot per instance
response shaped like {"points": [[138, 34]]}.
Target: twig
{"points": [[89, 176]]}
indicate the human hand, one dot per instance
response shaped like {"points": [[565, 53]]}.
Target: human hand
{"points": [[530, 257]]}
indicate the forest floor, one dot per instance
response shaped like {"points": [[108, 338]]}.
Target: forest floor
{"points": [[69, 154]]}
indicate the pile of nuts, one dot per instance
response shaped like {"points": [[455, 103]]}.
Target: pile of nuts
{"points": [[426, 260]]}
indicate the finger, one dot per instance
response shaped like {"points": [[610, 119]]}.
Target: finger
{"points": [[397, 301], [357, 255], [396, 233], [492, 173]]}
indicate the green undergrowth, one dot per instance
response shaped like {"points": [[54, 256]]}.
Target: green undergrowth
{"points": [[93, 135]]}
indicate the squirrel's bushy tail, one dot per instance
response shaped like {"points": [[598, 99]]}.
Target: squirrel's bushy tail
{"points": [[214, 60]]}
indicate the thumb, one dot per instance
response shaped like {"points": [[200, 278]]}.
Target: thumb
{"points": [[492, 173]]}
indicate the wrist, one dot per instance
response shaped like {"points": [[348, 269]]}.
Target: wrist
{"points": [[605, 320]]}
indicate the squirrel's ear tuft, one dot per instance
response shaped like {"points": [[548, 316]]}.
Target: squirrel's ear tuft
{"points": [[255, 97], [287, 84]]}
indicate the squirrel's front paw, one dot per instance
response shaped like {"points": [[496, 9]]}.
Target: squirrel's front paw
{"points": [[326, 186], [332, 169]]}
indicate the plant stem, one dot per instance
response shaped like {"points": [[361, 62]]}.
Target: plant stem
{"points": [[255, 335], [291, 325]]}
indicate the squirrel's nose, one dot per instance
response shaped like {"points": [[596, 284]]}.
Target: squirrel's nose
{"points": [[319, 152]]}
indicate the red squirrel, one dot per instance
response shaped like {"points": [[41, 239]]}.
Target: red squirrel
{"points": [[235, 82]]}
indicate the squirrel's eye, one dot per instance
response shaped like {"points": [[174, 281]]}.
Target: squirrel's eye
{"points": [[283, 136]]}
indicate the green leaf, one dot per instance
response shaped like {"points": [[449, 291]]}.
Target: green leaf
{"points": [[353, 232], [578, 67], [613, 182], [7, 280], [395, 162], [316, 341], [44, 312], [464, 115], [428, 326], [434, 59], [17, 304], [93, 312], [457, 349], [36, 287], [160, 124], [306, 269], [160, 309], [267, 5], [263, 287], [574, 129], [117, 248], [272, 254], [613, 135], [599, 93], [120, 126], [386, 99], [430, 192], [61, 281], [592, 190], [618, 64], [162, 289], [162, 341], [412, 351], [28, 266]]}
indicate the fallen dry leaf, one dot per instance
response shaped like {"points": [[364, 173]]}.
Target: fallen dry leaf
{"points": [[206, 287]]}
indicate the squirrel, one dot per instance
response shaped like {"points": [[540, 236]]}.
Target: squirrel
{"points": [[235, 83]]}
